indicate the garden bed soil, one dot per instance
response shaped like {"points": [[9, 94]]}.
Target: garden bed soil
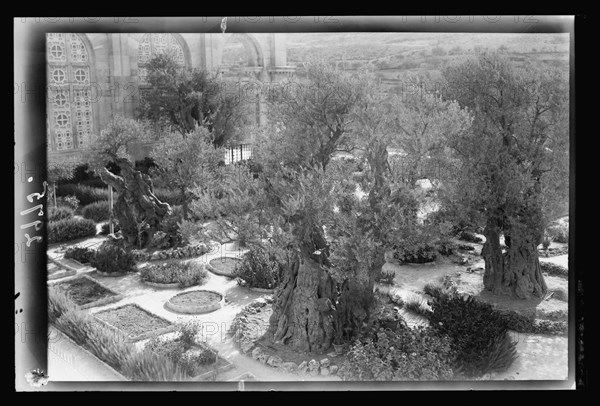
{"points": [[85, 292], [136, 323], [195, 302], [223, 266]]}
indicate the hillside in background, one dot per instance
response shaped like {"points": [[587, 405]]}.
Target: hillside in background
{"points": [[392, 55]]}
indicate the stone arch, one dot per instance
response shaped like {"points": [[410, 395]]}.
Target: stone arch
{"points": [[254, 51], [136, 39]]}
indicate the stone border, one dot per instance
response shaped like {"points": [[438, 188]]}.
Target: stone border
{"points": [[100, 302], [214, 372], [261, 290], [59, 263], [162, 285], [195, 309], [89, 353], [60, 275], [214, 270], [111, 274], [150, 334]]}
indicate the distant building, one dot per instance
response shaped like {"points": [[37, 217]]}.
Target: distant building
{"points": [[92, 77]]}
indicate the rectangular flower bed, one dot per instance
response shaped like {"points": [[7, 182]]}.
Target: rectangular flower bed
{"points": [[133, 321], [200, 361], [87, 292]]}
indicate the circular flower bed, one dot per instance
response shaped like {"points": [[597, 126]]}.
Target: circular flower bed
{"points": [[225, 266], [195, 302]]}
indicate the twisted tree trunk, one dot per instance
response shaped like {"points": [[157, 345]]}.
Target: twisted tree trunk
{"points": [[137, 204], [516, 272], [303, 308]]}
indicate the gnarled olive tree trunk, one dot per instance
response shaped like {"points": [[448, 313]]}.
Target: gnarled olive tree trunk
{"points": [[303, 306], [516, 272], [136, 204]]}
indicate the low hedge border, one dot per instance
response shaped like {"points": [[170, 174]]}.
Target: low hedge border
{"points": [[195, 309], [143, 336], [162, 285], [100, 302]]}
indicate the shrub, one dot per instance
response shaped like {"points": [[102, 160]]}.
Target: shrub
{"points": [[554, 269], [60, 213], [106, 227], [387, 278], [58, 303], [415, 248], [170, 225], [559, 232], [81, 254], [259, 269], [173, 197], [479, 334], [469, 237], [98, 211], [183, 350], [110, 258], [85, 194], [446, 247], [407, 354], [185, 273], [417, 305], [70, 229], [69, 201]]}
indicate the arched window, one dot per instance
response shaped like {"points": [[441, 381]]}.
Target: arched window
{"points": [[70, 121], [152, 44]]}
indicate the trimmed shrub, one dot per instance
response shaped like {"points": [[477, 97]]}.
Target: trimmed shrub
{"points": [[554, 269], [98, 211], [407, 354], [110, 258], [259, 269], [479, 334], [81, 254], [387, 278], [185, 273], [60, 213], [68, 201], [70, 229], [446, 247]]}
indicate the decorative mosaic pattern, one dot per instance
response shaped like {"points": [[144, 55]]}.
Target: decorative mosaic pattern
{"points": [[70, 110]]}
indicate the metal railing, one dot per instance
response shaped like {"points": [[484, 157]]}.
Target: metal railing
{"points": [[237, 153]]}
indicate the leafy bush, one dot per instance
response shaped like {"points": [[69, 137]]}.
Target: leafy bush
{"points": [[479, 333], [407, 354], [559, 232], [98, 211], [260, 269], [70, 229], [106, 227], [60, 213], [469, 237], [85, 194], [58, 303], [111, 258], [446, 247], [81, 254], [185, 273], [415, 248], [170, 225], [69, 201]]}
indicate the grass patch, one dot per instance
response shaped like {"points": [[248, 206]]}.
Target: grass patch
{"points": [[132, 320], [84, 290]]}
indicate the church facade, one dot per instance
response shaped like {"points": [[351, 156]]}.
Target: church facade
{"points": [[93, 77]]}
